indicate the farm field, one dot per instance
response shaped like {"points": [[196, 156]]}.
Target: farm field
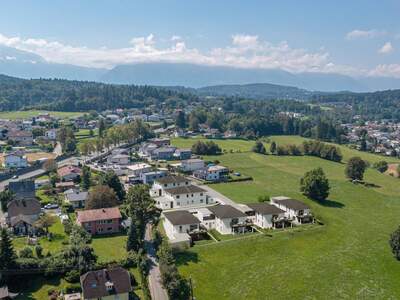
{"points": [[13, 115], [348, 257]]}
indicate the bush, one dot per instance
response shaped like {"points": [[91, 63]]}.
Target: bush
{"points": [[207, 148], [73, 288], [26, 253], [315, 185], [39, 251], [72, 276], [394, 243], [381, 166]]}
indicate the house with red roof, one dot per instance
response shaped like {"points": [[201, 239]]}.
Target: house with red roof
{"points": [[69, 173], [100, 221]]}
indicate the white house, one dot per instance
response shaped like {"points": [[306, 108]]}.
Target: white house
{"points": [[206, 217], [295, 210], [119, 159], [183, 196], [266, 215], [180, 222], [228, 220], [212, 173], [167, 182], [51, 134], [191, 165], [14, 160], [137, 169], [76, 198]]}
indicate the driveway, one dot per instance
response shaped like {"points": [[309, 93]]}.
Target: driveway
{"points": [[218, 196], [157, 290]]}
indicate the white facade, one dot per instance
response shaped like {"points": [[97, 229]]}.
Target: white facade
{"points": [[159, 187], [191, 165], [51, 134], [138, 169], [265, 221], [223, 226], [173, 231], [291, 212], [181, 200]]}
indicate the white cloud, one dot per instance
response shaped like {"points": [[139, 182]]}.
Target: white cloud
{"points": [[386, 70], [175, 38], [364, 34], [244, 51], [386, 48]]}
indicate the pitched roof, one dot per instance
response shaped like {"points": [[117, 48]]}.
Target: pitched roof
{"points": [[292, 204], [102, 283], [98, 214], [226, 211], [76, 196], [181, 217], [265, 208], [66, 170], [171, 179], [23, 207], [187, 189], [23, 186]]}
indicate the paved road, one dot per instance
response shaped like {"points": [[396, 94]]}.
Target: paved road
{"points": [[218, 196], [156, 288]]}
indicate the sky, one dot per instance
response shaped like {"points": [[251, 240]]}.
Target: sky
{"points": [[357, 38]]}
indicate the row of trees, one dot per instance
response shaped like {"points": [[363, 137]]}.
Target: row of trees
{"points": [[132, 132], [206, 148]]}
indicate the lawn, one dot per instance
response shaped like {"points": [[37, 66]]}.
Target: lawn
{"points": [[110, 248], [349, 257], [25, 114]]}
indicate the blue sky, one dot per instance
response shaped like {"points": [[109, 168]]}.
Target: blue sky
{"points": [[351, 37]]}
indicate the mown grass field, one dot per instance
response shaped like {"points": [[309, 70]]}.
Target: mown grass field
{"points": [[24, 114], [346, 258]]}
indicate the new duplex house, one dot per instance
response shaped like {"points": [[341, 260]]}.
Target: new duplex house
{"points": [[180, 224], [228, 220], [106, 284], [22, 214], [295, 210], [100, 221], [266, 215]]}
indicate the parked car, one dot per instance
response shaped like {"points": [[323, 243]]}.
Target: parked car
{"points": [[51, 206]]}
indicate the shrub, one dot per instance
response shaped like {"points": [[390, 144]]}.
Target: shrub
{"points": [[394, 243], [39, 251], [315, 185], [381, 166], [72, 276], [26, 253]]}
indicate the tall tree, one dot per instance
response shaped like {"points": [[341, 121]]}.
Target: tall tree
{"points": [[315, 185], [181, 119], [101, 196], [7, 253], [86, 178], [259, 148], [355, 168], [272, 148], [394, 243], [45, 221], [6, 197], [111, 179], [102, 127]]}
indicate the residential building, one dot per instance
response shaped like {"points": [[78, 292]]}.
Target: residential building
{"points": [[119, 159], [179, 225], [266, 215], [228, 220], [191, 165], [51, 134], [167, 182], [295, 210], [147, 149], [212, 173], [14, 160], [106, 284], [21, 137], [69, 173], [183, 154], [206, 217], [139, 168], [150, 177], [76, 198], [160, 142], [22, 190], [163, 153], [183, 196], [22, 215], [100, 221]]}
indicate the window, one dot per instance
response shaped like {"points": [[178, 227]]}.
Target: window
{"points": [[201, 194], [177, 197]]}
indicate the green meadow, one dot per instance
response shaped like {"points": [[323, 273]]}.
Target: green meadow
{"points": [[348, 257]]}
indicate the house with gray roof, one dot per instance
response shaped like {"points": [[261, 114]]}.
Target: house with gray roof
{"points": [[228, 219], [295, 210], [24, 189], [76, 197], [22, 214]]}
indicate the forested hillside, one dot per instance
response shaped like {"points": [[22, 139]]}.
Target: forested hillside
{"points": [[64, 95]]}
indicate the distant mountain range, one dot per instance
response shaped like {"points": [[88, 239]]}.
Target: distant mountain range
{"points": [[27, 65]]}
